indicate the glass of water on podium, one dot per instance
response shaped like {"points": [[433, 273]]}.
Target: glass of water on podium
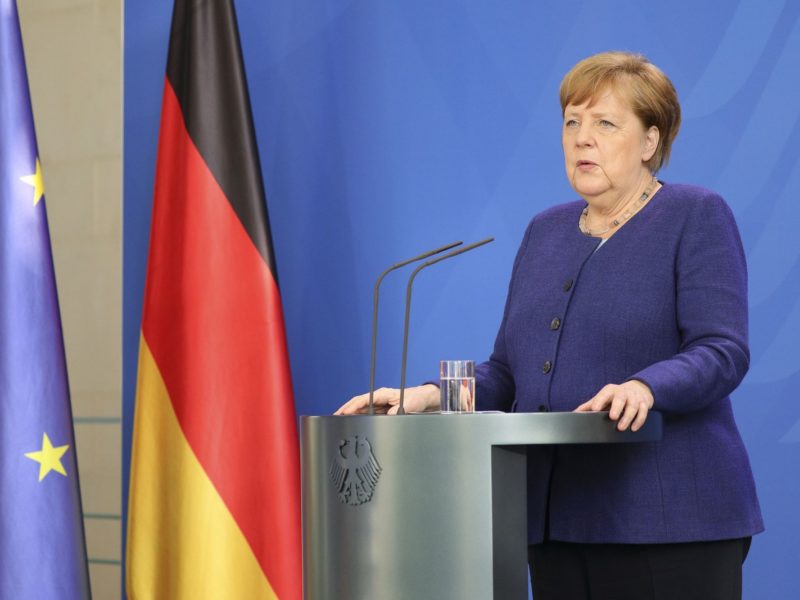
{"points": [[457, 386]]}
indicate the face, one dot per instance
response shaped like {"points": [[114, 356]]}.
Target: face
{"points": [[606, 148]]}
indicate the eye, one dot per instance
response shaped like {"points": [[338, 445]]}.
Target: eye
{"points": [[570, 123], [605, 124]]}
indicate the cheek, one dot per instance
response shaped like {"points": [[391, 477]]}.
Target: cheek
{"points": [[626, 155], [566, 150]]}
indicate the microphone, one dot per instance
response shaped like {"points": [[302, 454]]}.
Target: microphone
{"points": [[375, 312], [400, 410]]}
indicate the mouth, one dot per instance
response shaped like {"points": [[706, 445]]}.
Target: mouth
{"points": [[585, 165]]}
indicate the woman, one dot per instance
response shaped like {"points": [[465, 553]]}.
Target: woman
{"points": [[631, 299]]}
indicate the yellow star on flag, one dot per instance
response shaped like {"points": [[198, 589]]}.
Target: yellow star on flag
{"points": [[49, 458], [36, 181]]}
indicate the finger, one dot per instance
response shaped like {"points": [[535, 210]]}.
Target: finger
{"points": [[595, 404], [386, 396], [618, 404], [641, 417], [631, 410], [356, 404], [603, 398], [380, 409], [350, 409], [353, 405], [382, 399]]}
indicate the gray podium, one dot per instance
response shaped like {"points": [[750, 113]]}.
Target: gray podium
{"points": [[427, 506]]}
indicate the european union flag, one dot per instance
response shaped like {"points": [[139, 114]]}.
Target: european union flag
{"points": [[42, 547]]}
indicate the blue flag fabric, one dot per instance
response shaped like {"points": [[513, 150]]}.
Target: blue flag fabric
{"points": [[42, 546]]}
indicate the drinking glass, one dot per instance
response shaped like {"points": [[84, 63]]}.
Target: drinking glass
{"points": [[457, 386]]}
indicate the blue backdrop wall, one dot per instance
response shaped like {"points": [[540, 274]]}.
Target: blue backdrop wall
{"points": [[386, 128]]}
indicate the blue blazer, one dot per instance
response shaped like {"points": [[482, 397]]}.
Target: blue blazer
{"points": [[663, 301]]}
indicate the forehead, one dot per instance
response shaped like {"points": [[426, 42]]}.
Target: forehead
{"points": [[606, 101]]}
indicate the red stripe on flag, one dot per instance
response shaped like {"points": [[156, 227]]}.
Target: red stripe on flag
{"points": [[214, 322]]}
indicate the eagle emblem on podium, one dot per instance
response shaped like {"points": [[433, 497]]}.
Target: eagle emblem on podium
{"points": [[354, 471]]}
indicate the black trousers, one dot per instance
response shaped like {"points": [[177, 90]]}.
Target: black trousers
{"points": [[690, 571]]}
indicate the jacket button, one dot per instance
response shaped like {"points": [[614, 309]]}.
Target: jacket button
{"points": [[555, 323], [547, 366], [568, 285], [543, 408]]}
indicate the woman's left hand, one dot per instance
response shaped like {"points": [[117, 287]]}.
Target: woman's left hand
{"points": [[627, 403]]}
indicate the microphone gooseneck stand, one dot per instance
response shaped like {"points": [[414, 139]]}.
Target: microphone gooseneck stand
{"points": [[400, 409], [422, 256]]}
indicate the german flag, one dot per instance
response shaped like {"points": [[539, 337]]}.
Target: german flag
{"points": [[214, 507]]}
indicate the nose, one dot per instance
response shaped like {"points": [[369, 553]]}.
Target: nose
{"points": [[583, 135]]}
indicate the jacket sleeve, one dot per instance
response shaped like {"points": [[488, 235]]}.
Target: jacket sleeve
{"points": [[711, 305], [494, 382]]}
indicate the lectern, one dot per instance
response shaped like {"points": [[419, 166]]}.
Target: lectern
{"points": [[428, 506]]}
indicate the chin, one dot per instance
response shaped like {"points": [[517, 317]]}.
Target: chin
{"points": [[589, 188]]}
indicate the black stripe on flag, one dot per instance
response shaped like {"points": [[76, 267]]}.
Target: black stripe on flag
{"points": [[205, 69]]}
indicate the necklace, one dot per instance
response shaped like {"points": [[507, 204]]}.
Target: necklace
{"points": [[616, 222]]}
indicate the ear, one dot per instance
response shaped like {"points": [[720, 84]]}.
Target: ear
{"points": [[651, 138]]}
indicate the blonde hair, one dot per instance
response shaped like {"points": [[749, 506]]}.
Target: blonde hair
{"points": [[649, 92]]}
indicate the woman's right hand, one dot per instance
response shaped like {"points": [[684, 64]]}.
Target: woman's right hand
{"points": [[421, 398]]}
